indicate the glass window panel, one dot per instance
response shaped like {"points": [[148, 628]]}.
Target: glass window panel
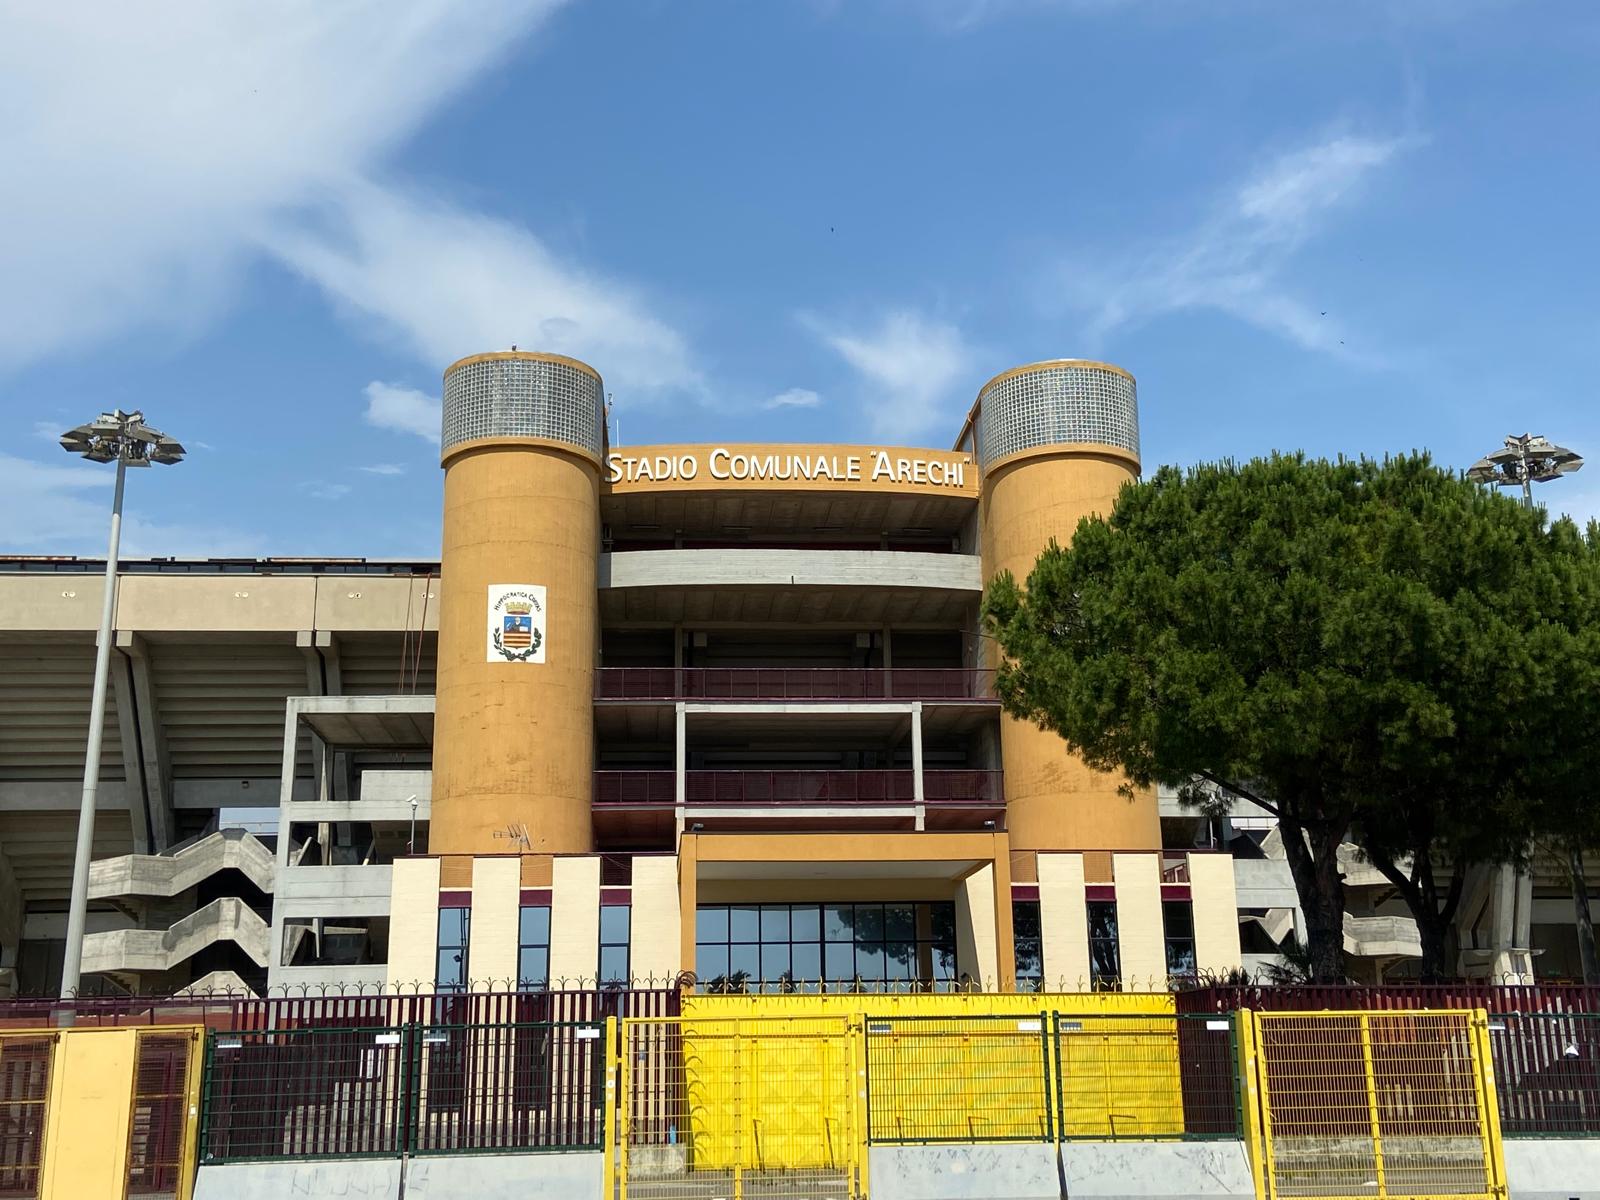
{"points": [[614, 924], [942, 918], [533, 967], [869, 922], [746, 959], [1103, 919], [900, 922], [710, 962], [805, 922], [451, 969], [869, 961], [744, 923], [613, 963], [900, 960], [838, 922], [453, 925], [840, 962], [944, 962], [806, 961], [711, 924], [1025, 919], [775, 923], [1180, 958], [1178, 917], [774, 961], [533, 925]]}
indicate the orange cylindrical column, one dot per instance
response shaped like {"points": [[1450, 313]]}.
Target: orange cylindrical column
{"points": [[1056, 441], [513, 755]]}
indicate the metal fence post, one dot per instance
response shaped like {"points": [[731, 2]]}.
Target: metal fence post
{"points": [[207, 1078], [1372, 1100], [1044, 1076], [608, 1141]]}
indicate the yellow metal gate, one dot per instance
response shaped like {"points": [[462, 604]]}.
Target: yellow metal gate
{"points": [[748, 1109], [1377, 1104]]}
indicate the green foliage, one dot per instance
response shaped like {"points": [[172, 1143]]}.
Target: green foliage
{"points": [[1362, 647]]}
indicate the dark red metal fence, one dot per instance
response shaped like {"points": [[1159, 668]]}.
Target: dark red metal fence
{"points": [[793, 683], [1495, 997], [331, 1009], [312, 1092], [799, 787]]}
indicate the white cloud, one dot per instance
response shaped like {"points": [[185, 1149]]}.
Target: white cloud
{"points": [[452, 283], [794, 398], [66, 509], [162, 156], [322, 490], [403, 409], [912, 366], [1237, 260], [384, 468]]}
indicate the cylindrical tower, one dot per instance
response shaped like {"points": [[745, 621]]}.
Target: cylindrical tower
{"points": [[513, 754], [1056, 441]]}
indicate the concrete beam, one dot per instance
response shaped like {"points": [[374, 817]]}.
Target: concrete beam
{"points": [[157, 791], [132, 760], [58, 795]]}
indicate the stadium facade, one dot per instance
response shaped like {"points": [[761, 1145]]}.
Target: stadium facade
{"points": [[720, 709]]}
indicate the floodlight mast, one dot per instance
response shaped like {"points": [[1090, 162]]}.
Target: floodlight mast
{"points": [[1523, 462], [122, 438]]}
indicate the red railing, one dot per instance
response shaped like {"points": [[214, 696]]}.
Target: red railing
{"points": [[793, 683], [799, 787]]}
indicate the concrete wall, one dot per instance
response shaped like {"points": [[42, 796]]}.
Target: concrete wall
{"points": [[1106, 1171], [352, 1178], [1553, 1168], [414, 923], [1064, 920], [654, 947], [452, 1177], [977, 951], [1216, 913], [1141, 936], [496, 905], [575, 921]]}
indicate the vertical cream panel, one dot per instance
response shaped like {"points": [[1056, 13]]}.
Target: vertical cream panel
{"points": [[414, 923], [1216, 913], [496, 898], [575, 921], [1064, 922], [976, 953], [655, 937], [1141, 940]]}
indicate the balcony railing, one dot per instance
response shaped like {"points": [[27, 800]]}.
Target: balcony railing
{"points": [[793, 683], [799, 787]]}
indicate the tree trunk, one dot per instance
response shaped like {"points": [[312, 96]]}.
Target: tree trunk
{"points": [[1320, 886], [1585, 923], [1434, 930]]}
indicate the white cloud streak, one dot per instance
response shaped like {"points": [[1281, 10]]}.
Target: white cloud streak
{"points": [[453, 283], [162, 156], [1237, 261], [66, 509], [402, 409], [794, 398], [911, 366], [384, 469]]}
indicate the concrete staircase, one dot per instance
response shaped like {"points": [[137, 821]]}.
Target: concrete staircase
{"points": [[177, 870], [136, 951]]}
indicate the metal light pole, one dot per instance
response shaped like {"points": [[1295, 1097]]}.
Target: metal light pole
{"points": [[1523, 462], [122, 438]]}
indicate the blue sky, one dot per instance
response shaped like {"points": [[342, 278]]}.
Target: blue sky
{"points": [[1350, 227]]}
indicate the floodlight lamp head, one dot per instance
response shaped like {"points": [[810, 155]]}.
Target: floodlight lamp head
{"points": [[120, 436]]}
